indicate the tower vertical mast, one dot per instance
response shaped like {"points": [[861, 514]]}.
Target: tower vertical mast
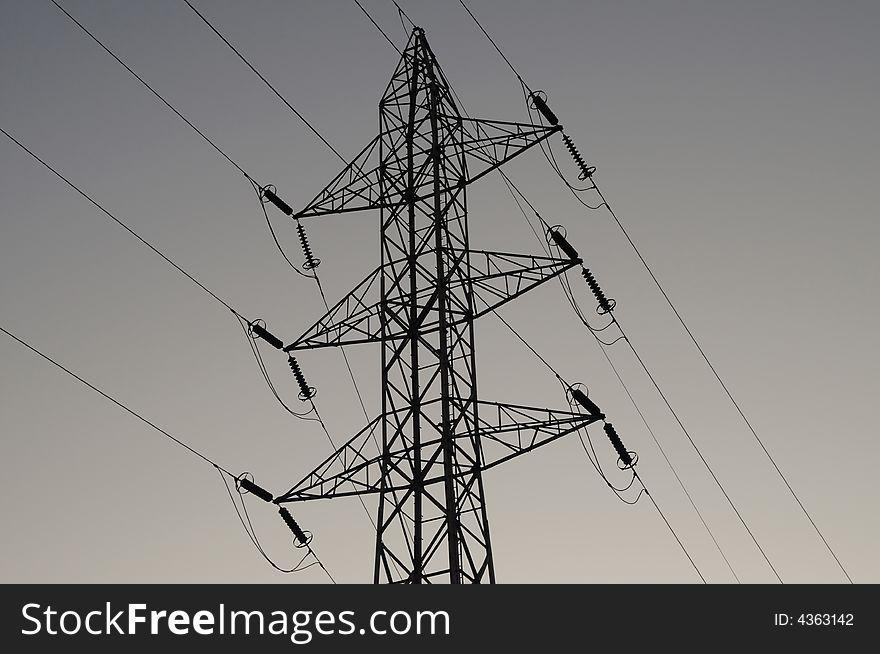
{"points": [[427, 531]]}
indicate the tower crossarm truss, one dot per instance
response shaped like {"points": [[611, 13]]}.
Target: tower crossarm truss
{"points": [[506, 430], [486, 145], [495, 278]]}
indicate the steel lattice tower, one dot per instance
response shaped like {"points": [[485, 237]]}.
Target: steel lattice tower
{"points": [[436, 437]]}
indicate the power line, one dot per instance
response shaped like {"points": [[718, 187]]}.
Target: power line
{"points": [[495, 45], [527, 88], [567, 292], [265, 81], [115, 401], [119, 222], [237, 166], [326, 571], [208, 140], [152, 90], [699, 453], [257, 187], [277, 93], [678, 315], [636, 476], [314, 274], [675, 415], [239, 316], [722, 383], [605, 203], [178, 113], [165, 433], [511, 187], [118, 403], [680, 423], [387, 38], [192, 279], [666, 458], [323, 140], [666, 401], [683, 549], [522, 339]]}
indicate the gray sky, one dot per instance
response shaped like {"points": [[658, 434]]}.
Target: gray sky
{"points": [[737, 141]]}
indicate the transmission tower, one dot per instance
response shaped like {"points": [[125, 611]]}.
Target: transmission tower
{"points": [[436, 437]]}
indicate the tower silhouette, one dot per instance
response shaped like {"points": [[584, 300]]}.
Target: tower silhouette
{"points": [[435, 437]]}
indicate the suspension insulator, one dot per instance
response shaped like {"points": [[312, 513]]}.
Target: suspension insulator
{"points": [[586, 171], [605, 305], [541, 105], [581, 398], [294, 527], [264, 333], [311, 261], [251, 487], [306, 392], [625, 456], [563, 244]]}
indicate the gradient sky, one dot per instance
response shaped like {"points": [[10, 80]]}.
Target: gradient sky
{"points": [[738, 141]]}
